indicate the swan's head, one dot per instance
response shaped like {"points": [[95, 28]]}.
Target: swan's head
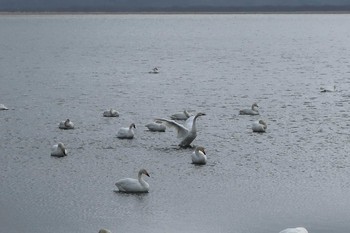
{"points": [[143, 171], [255, 105], [132, 126], [201, 148], [62, 147], [67, 121], [263, 123], [200, 114]]}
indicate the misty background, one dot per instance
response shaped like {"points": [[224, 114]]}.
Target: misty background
{"points": [[171, 5]]}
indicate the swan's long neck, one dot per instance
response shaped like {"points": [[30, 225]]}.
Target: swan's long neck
{"points": [[194, 129], [142, 182]]}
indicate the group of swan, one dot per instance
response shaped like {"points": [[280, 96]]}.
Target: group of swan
{"points": [[3, 107], [156, 126], [259, 126], [182, 116], [111, 113], [131, 185], [59, 150], [155, 70], [199, 156], [67, 124], [294, 230], [187, 132], [127, 132], [328, 89]]}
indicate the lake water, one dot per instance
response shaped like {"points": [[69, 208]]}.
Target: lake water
{"points": [[54, 67]]}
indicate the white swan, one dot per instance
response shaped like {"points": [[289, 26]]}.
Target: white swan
{"points": [[156, 126], [59, 150], [104, 231], [259, 126], [180, 116], [131, 185], [327, 89], [67, 124], [110, 113], [155, 70], [3, 107], [187, 132], [295, 230], [199, 156], [126, 133], [252, 111]]}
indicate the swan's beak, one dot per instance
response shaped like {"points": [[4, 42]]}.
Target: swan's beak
{"points": [[147, 174]]}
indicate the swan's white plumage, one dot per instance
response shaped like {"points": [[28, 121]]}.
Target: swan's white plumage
{"points": [[259, 126], [155, 70], [328, 89], [199, 156], [3, 107], [180, 116], [156, 126], [111, 113], [186, 133], [58, 150], [126, 133], [104, 231], [67, 124], [294, 230], [131, 185], [252, 111]]}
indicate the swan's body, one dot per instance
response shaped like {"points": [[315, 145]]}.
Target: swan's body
{"points": [[199, 156], [155, 70], [3, 107], [259, 126], [104, 231], [59, 150], [295, 230], [110, 113], [67, 124], [187, 132], [130, 185], [328, 89], [180, 116], [252, 111], [156, 126], [126, 133]]}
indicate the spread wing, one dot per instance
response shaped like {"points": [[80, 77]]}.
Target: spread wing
{"points": [[189, 122], [182, 131]]}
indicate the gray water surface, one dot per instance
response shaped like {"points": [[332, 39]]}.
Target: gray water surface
{"points": [[54, 67]]}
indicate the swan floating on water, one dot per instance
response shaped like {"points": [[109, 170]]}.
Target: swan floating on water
{"points": [[199, 156], [187, 132], [156, 126], [328, 89], [3, 107], [67, 124], [130, 185], [294, 230], [252, 111], [259, 126], [59, 150], [180, 115], [155, 70], [104, 231], [110, 113], [126, 133]]}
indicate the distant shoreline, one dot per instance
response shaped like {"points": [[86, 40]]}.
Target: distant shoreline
{"points": [[164, 12]]}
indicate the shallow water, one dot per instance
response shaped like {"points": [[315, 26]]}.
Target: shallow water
{"points": [[54, 67]]}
